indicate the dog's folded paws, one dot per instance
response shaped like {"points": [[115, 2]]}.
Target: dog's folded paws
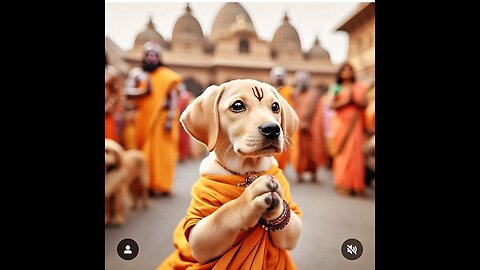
{"points": [[272, 185], [276, 207], [274, 201], [262, 198], [263, 202], [263, 184]]}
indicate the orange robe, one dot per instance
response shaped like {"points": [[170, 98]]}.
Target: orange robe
{"points": [[129, 132], [253, 248], [349, 164], [309, 146], [113, 92], [282, 158], [160, 148], [111, 128]]}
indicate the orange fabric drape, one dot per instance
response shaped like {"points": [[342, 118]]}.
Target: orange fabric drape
{"points": [[160, 148], [111, 128], [252, 249], [129, 137], [309, 146], [349, 164], [283, 158], [113, 91]]}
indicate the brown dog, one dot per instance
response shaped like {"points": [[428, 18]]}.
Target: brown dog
{"points": [[243, 123], [126, 173]]}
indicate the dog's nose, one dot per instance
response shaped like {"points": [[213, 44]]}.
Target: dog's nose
{"points": [[270, 130]]}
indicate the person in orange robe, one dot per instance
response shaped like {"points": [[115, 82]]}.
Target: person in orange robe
{"points": [[157, 120], [349, 102], [253, 248], [278, 76], [113, 101], [309, 145], [132, 83]]}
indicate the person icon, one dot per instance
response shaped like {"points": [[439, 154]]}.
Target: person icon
{"points": [[127, 250]]}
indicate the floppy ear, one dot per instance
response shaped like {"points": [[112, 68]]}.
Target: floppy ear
{"points": [[116, 149], [290, 120], [201, 120]]}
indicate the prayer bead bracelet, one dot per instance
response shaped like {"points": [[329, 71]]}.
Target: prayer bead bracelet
{"points": [[280, 222]]}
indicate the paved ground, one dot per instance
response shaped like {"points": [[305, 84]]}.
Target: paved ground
{"points": [[328, 220]]}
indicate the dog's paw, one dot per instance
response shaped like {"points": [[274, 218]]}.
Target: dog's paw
{"points": [[276, 207], [118, 221], [262, 197], [263, 201], [262, 185]]}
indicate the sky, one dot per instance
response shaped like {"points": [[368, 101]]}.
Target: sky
{"points": [[125, 19]]}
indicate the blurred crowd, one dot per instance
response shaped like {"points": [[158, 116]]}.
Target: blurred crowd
{"points": [[336, 131]]}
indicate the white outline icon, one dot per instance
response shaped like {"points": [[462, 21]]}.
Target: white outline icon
{"points": [[352, 249]]}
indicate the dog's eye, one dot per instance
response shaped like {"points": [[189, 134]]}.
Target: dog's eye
{"points": [[237, 106], [275, 107]]}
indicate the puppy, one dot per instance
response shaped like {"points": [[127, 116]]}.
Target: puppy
{"points": [[126, 173], [243, 123]]}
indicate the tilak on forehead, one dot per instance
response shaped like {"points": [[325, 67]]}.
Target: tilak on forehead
{"points": [[258, 93]]}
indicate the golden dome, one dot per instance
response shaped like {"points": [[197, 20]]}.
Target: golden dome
{"points": [[187, 29], [286, 38], [232, 17], [317, 52], [150, 34]]}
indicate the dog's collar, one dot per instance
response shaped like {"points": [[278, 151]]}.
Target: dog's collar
{"points": [[249, 176]]}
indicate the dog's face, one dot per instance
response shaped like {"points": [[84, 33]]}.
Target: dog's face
{"points": [[247, 115], [250, 117], [112, 154]]}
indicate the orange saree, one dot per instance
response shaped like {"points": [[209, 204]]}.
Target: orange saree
{"points": [[349, 163], [252, 249], [159, 147]]}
